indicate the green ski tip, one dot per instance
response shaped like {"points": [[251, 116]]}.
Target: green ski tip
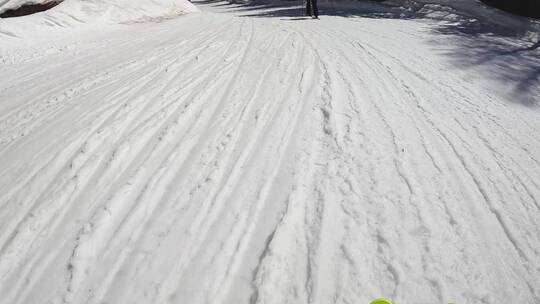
{"points": [[381, 301]]}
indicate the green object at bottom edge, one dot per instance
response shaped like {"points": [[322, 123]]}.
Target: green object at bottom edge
{"points": [[381, 301]]}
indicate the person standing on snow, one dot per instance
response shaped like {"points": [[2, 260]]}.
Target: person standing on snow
{"points": [[312, 9]]}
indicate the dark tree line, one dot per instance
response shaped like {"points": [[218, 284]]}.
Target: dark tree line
{"points": [[529, 8]]}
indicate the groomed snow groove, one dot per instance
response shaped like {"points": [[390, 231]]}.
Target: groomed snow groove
{"points": [[217, 158]]}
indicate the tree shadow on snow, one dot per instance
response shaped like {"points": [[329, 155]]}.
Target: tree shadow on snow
{"points": [[480, 39], [505, 47]]}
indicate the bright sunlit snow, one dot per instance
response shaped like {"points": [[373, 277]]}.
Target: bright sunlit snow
{"points": [[152, 151]]}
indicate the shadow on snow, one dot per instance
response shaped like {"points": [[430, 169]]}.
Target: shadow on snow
{"points": [[505, 47]]}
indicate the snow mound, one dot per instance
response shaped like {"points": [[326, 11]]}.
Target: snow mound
{"points": [[121, 11], [74, 13]]}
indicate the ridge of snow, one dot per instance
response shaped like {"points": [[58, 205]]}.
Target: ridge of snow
{"points": [[75, 13]]}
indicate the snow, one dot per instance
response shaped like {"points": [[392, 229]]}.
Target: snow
{"points": [[246, 155], [96, 13]]}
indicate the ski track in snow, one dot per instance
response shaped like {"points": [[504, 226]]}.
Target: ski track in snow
{"points": [[217, 158]]}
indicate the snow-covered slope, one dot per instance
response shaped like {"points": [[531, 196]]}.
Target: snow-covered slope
{"points": [[76, 13], [244, 156]]}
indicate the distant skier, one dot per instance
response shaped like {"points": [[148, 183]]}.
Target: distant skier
{"points": [[312, 9]]}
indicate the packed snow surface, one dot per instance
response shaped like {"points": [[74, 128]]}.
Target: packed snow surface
{"points": [[245, 155]]}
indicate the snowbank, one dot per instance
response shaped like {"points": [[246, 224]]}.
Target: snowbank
{"points": [[121, 11], [6, 5], [74, 13]]}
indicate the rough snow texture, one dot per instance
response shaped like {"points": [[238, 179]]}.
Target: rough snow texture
{"points": [[222, 159]]}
